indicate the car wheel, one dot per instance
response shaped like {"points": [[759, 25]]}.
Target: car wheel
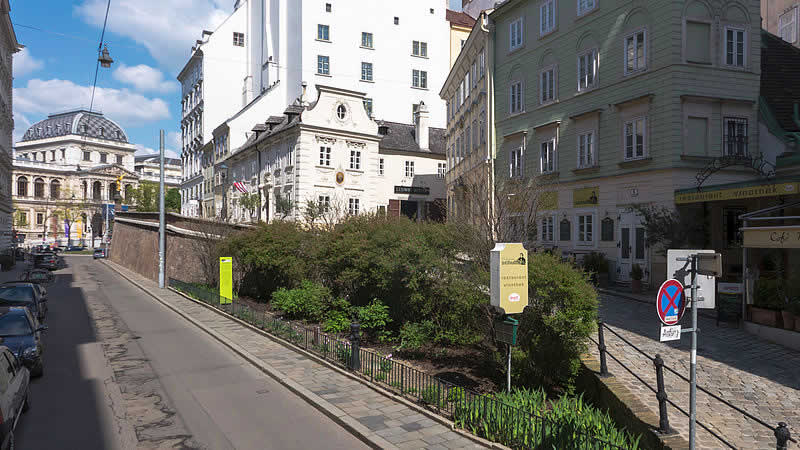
{"points": [[27, 405]]}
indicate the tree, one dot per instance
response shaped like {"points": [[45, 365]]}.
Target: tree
{"points": [[172, 200], [283, 206], [670, 228], [70, 210], [145, 197], [250, 202], [21, 220]]}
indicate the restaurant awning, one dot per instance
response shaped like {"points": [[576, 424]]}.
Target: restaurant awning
{"points": [[736, 191]]}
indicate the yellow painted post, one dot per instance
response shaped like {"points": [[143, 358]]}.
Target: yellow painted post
{"points": [[225, 280]]}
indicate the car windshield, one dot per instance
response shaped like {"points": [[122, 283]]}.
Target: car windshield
{"points": [[14, 325], [37, 276], [22, 294]]}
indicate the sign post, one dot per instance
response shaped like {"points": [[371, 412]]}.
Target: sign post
{"points": [[509, 291], [225, 280]]}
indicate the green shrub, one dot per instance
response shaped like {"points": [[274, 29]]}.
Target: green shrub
{"points": [[374, 318], [308, 302], [337, 318], [455, 394], [769, 294], [415, 334], [432, 395]]}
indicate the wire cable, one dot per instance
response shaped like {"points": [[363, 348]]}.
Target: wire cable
{"points": [[99, 49]]}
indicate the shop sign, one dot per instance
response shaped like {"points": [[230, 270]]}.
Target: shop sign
{"points": [[772, 237], [585, 197], [418, 190], [770, 190], [509, 277]]}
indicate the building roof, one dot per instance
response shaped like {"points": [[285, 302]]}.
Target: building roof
{"points": [[780, 64], [79, 122], [459, 19], [402, 137], [153, 157]]}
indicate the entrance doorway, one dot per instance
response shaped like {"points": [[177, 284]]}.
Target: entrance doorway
{"points": [[632, 242], [409, 208]]}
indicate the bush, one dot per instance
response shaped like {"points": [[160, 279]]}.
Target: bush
{"points": [[556, 325], [414, 335], [307, 302], [374, 318], [337, 318]]}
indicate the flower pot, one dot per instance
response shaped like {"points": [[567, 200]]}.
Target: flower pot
{"points": [[763, 316], [788, 320], [636, 286]]}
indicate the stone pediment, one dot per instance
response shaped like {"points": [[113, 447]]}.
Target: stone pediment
{"points": [[111, 170]]}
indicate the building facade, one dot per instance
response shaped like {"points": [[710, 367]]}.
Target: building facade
{"points": [[148, 167], [8, 47], [611, 104], [460, 26], [66, 172], [779, 17]]}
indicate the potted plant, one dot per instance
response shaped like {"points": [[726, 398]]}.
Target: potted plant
{"points": [[794, 307], [767, 303], [636, 278], [596, 265]]}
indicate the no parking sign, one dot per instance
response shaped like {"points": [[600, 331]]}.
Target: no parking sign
{"points": [[670, 302]]}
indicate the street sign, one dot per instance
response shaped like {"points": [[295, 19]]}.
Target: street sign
{"points": [[709, 264], [509, 277], [670, 302], [225, 280], [681, 271], [670, 333]]}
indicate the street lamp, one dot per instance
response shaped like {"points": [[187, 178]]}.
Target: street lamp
{"points": [[104, 58]]}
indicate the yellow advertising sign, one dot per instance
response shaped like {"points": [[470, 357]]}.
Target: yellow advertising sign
{"points": [[509, 277], [768, 190], [225, 280], [585, 197], [772, 237], [79, 224], [548, 200]]}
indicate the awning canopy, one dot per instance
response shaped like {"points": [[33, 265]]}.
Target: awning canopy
{"points": [[780, 236], [736, 191]]}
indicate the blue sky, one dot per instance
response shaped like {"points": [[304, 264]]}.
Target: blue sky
{"points": [[149, 41]]}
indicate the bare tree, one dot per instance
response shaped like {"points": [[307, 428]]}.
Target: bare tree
{"points": [[205, 238], [324, 215]]}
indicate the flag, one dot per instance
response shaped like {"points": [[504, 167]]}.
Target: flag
{"points": [[240, 187]]}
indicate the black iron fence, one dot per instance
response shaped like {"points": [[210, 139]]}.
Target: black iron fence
{"points": [[480, 414], [781, 431]]}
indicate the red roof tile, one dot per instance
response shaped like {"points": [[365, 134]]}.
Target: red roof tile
{"points": [[459, 19]]}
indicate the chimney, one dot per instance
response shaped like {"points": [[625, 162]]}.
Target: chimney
{"points": [[421, 118], [303, 94]]}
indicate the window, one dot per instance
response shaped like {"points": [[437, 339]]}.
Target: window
{"points": [[353, 207], [323, 65], [22, 187], [324, 203], [547, 85], [22, 220], [441, 170], [548, 156], [515, 98], [327, 7], [585, 229], [547, 17], [482, 63], [483, 127], [419, 48], [515, 34], [409, 169], [468, 141], [397, 21], [586, 151], [38, 188], [607, 229], [87, 156], [787, 26], [380, 166], [734, 47], [698, 42], [635, 52], [238, 39], [474, 74], [324, 156], [587, 70], [39, 218], [731, 225], [323, 33], [547, 229], [341, 112], [119, 159], [103, 157], [366, 39], [63, 154], [565, 230], [515, 163], [366, 71], [368, 106], [55, 189], [734, 137], [585, 6], [355, 159], [52, 155], [419, 79], [635, 138]]}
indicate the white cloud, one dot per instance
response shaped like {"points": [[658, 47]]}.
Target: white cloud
{"points": [[25, 63], [21, 125], [167, 28], [42, 97], [144, 78], [142, 150]]}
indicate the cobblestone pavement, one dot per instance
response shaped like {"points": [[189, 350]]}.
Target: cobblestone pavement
{"points": [[384, 418], [759, 377]]}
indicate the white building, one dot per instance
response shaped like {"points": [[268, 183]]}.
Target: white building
{"points": [[395, 52], [148, 167], [8, 46]]}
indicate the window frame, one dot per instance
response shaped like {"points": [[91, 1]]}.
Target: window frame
{"points": [[419, 79], [583, 12], [368, 106], [366, 72], [409, 169], [520, 34], [419, 49], [592, 149], [365, 34], [323, 65], [238, 42], [381, 167], [793, 24], [323, 32], [551, 7], [544, 230], [520, 100], [594, 59], [551, 153], [553, 70], [645, 149], [726, 136], [353, 206], [634, 34], [355, 159], [516, 162], [580, 235], [735, 29], [324, 156]]}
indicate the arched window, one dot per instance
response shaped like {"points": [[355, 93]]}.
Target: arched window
{"points": [[55, 189], [22, 186], [85, 190], [112, 191], [97, 191], [38, 188]]}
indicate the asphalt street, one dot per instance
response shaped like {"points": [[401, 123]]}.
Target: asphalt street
{"points": [[122, 371]]}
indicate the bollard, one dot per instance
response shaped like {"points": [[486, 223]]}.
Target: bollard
{"points": [[601, 347], [661, 395], [355, 346], [782, 435]]}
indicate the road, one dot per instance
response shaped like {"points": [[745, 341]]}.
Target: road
{"points": [[122, 371]]}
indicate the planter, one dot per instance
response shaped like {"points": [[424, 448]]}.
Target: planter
{"points": [[636, 286], [788, 320], [763, 316]]}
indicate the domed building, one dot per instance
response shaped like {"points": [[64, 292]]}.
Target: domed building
{"points": [[65, 169]]}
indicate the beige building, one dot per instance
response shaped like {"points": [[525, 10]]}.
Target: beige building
{"points": [[66, 168], [8, 46], [460, 27], [148, 167], [779, 17]]}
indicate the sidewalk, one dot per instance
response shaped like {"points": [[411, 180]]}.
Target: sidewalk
{"points": [[757, 376], [380, 420]]}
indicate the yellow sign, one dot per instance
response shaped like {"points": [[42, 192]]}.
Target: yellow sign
{"points": [[548, 200], [79, 224], [225, 280], [509, 277], [585, 197], [768, 190], [772, 237]]}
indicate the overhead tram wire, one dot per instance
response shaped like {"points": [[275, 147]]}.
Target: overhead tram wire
{"points": [[99, 50]]}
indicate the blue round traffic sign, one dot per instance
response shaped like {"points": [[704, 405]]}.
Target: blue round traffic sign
{"points": [[671, 302]]}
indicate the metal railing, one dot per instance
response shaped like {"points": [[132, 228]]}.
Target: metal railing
{"points": [[470, 410], [781, 432]]}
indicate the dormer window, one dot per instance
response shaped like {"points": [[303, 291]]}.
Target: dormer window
{"points": [[102, 131], [383, 130]]}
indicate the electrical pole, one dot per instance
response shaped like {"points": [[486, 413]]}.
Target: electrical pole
{"points": [[693, 361], [161, 218]]}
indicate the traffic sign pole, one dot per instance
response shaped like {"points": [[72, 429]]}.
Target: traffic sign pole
{"points": [[693, 364]]}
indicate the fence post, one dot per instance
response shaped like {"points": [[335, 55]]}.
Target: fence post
{"points": [[782, 435], [601, 348], [661, 395], [316, 335], [355, 346]]}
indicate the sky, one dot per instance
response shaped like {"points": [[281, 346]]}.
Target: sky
{"points": [[149, 40]]}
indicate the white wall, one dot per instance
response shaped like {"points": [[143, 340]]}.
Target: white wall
{"points": [[425, 175]]}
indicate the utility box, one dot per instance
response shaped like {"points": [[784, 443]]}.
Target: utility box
{"points": [[506, 330]]}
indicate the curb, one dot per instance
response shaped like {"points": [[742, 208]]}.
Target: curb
{"points": [[336, 414]]}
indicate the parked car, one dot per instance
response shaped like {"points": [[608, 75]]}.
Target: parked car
{"points": [[19, 254], [47, 261], [22, 334], [38, 276], [76, 248], [99, 253], [23, 293], [14, 395]]}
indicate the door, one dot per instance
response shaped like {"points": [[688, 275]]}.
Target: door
{"points": [[632, 246]]}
